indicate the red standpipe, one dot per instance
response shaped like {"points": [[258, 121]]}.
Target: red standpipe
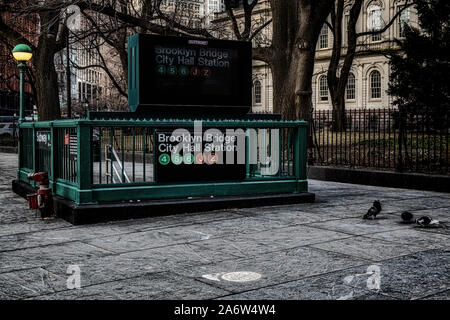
{"points": [[42, 200]]}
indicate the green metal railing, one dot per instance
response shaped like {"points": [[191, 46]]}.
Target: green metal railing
{"points": [[91, 161], [27, 148]]}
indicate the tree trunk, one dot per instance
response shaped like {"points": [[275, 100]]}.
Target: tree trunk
{"points": [[339, 122], [296, 28], [292, 85], [47, 90]]}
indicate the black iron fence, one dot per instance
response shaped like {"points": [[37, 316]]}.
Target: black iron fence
{"points": [[382, 139]]}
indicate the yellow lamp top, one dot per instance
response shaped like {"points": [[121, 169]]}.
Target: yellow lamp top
{"points": [[22, 52]]}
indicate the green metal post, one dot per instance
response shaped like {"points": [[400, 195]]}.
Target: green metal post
{"points": [[53, 150], [123, 153], [134, 150], [300, 158], [247, 154], [144, 146], [84, 164], [21, 67], [34, 151]]}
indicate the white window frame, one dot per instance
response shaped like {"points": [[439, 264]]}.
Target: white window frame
{"points": [[257, 96], [372, 88], [375, 21], [323, 37], [351, 75], [323, 88]]}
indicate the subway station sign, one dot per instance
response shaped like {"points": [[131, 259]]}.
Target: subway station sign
{"points": [[186, 155], [188, 74]]}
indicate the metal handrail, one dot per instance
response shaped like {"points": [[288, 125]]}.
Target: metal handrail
{"points": [[114, 158]]}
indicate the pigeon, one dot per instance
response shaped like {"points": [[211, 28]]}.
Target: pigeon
{"points": [[373, 211], [407, 216], [426, 221]]}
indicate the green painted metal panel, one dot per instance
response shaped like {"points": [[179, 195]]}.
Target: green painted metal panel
{"points": [[151, 192], [194, 190], [67, 190], [300, 154], [81, 189], [22, 174], [168, 123], [53, 153], [133, 71], [84, 160]]}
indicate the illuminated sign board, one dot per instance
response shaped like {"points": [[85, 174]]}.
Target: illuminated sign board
{"points": [[209, 156], [177, 74]]}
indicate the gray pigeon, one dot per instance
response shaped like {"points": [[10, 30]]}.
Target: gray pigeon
{"points": [[407, 216], [373, 211], [426, 221]]}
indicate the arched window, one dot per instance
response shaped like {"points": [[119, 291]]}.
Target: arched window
{"points": [[351, 88], [403, 20], [375, 20], [257, 91], [323, 38], [323, 88], [375, 84]]}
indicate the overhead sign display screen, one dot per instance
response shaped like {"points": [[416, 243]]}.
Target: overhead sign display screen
{"points": [[188, 73]]}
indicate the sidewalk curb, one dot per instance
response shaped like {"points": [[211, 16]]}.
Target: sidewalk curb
{"points": [[389, 179]]}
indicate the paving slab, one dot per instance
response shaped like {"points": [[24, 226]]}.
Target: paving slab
{"points": [[359, 226], [444, 295], [272, 268], [321, 250], [146, 224], [417, 275], [414, 237], [65, 254], [152, 286], [60, 235], [348, 284], [115, 267], [296, 217], [30, 283], [184, 234], [28, 226], [368, 248], [421, 203], [294, 236], [146, 239]]}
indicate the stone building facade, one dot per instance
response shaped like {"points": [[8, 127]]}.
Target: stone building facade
{"points": [[369, 78], [370, 71]]}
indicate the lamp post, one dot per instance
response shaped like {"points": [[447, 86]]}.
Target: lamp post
{"points": [[22, 53]]}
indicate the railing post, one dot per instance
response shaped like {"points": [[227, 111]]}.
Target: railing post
{"points": [[84, 163], [53, 150], [301, 156], [34, 150], [19, 149], [400, 139], [247, 154]]}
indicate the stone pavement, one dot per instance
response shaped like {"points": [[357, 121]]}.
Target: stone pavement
{"points": [[322, 250]]}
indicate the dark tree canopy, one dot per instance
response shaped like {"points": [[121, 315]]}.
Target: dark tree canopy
{"points": [[296, 27], [420, 78]]}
